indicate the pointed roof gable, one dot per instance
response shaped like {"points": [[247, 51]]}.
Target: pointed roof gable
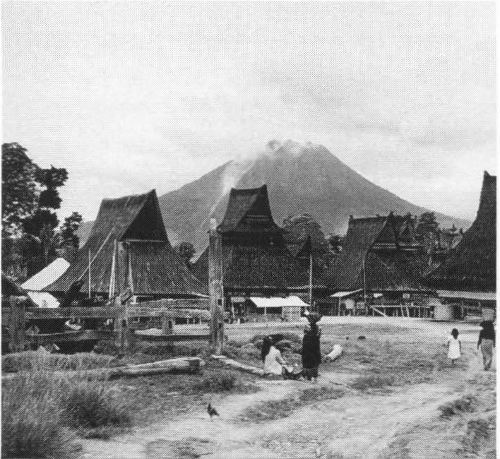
{"points": [[248, 209], [362, 233], [137, 220], [472, 263]]}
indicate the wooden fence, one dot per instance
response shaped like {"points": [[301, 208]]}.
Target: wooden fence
{"points": [[16, 317]]}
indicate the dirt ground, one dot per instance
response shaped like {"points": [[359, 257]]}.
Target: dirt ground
{"points": [[422, 415]]}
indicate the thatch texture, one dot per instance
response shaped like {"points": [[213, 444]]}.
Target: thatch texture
{"points": [[249, 211], [257, 267], [359, 265], [471, 266], [156, 268], [254, 251]]}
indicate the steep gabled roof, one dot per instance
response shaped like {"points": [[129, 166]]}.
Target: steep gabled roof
{"points": [[362, 233], [381, 272], [137, 220], [472, 264], [248, 210]]}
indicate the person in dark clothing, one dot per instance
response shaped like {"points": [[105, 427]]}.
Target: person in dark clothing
{"points": [[487, 342], [311, 352]]}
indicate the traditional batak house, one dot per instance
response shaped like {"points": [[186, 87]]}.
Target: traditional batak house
{"points": [[466, 280], [128, 251], [255, 260], [372, 270]]}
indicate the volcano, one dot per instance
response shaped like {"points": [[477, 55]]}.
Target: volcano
{"points": [[300, 179]]}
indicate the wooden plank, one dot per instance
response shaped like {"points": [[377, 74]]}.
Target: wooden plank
{"points": [[17, 324], [107, 312], [215, 288], [378, 311], [173, 338], [182, 303]]}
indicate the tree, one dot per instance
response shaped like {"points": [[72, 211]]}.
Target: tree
{"points": [[69, 239], [427, 224], [30, 195], [335, 242], [186, 251], [19, 187]]}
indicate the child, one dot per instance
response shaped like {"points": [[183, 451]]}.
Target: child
{"points": [[454, 346]]}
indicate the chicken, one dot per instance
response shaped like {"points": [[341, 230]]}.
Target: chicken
{"points": [[212, 411]]}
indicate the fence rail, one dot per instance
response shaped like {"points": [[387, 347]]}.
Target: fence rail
{"points": [[18, 314]]}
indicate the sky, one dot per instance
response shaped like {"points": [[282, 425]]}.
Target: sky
{"points": [[130, 96]]}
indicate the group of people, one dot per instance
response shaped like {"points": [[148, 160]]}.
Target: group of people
{"points": [[486, 343], [275, 364]]}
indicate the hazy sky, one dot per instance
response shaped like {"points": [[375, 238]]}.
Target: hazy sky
{"points": [[130, 96]]}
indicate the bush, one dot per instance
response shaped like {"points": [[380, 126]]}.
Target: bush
{"points": [[89, 404], [218, 382]]}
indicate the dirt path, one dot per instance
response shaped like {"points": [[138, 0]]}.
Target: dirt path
{"points": [[356, 425]]}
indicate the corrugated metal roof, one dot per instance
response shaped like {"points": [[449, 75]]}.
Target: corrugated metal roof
{"points": [[47, 275], [277, 302]]}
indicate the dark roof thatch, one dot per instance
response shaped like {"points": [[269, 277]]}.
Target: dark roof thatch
{"points": [[156, 267], [10, 288], [257, 267], [472, 264], [248, 210], [383, 272]]}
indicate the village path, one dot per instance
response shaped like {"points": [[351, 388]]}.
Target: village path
{"points": [[356, 425]]}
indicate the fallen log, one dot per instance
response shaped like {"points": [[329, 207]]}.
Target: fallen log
{"points": [[188, 365], [239, 366]]}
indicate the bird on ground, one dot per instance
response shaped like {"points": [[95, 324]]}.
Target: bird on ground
{"points": [[212, 411]]}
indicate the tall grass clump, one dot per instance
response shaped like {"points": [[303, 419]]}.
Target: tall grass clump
{"points": [[90, 405], [42, 411], [31, 419]]}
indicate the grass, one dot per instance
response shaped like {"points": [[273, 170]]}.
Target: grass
{"points": [[278, 409], [365, 383], [464, 404], [217, 382], [43, 411], [32, 360]]}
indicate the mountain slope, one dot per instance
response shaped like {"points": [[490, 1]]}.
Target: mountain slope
{"points": [[300, 179]]}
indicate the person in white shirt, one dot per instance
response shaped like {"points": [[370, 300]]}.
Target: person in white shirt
{"points": [[271, 356], [454, 346]]}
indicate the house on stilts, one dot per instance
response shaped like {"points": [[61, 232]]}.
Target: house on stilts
{"points": [[128, 251], [371, 274], [256, 263], [466, 280]]}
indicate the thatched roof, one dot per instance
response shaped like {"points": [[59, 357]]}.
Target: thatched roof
{"points": [[10, 288], [256, 267], [472, 263], [382, 271], [248, 210], [156, 267]]}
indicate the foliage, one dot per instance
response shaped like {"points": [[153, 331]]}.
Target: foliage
{"points": [[372, 382], [19, 187], [427, 224], [186, 250], [30, 195]]}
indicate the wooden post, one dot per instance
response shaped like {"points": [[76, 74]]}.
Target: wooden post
{"points": [[17, 324], [167, 325], [215, 288]]}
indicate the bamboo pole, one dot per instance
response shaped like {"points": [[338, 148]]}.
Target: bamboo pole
{"points": [[311, 279], [90, 264]]}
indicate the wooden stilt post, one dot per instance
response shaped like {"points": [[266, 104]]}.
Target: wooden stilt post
{"points": [[17, 324], [215, 288]]}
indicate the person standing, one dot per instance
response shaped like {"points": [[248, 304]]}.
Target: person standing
{"points": [[311, 352], [487, 342], [454, 346]]}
